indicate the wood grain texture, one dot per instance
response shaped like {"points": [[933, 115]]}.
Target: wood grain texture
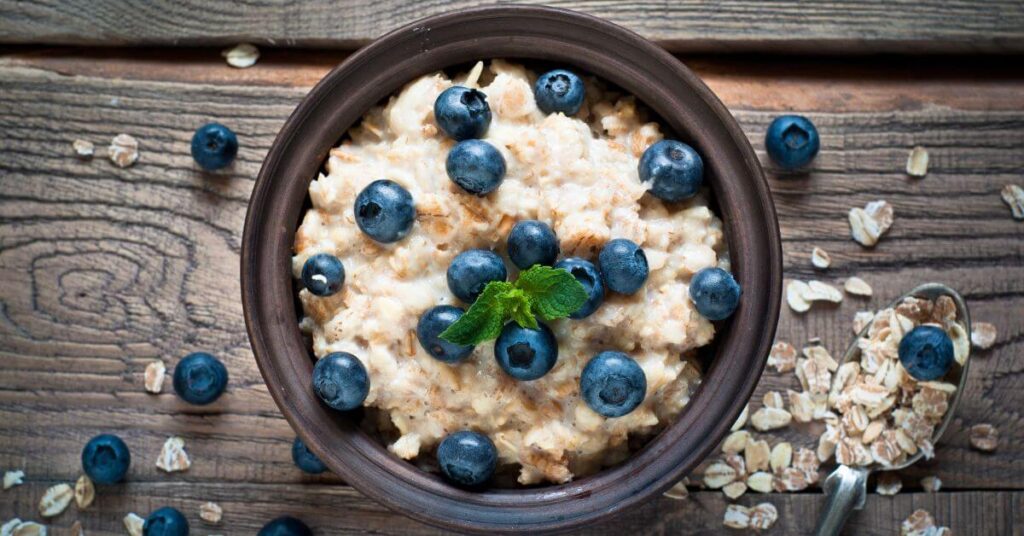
{"points": [[835, 26], [103, 269]]}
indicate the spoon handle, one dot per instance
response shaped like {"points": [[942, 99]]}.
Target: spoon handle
{"points": [[846, 490]]}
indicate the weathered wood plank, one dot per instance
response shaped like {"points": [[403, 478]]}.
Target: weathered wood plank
{"points": [[835, 26], [103, 269]]}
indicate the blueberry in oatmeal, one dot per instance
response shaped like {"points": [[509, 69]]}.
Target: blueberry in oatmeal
{"points": [[674, 170], [305, 459], [623, 265], [559, 91], [613, 384], [467, 458], [428, 331], [532, 242], [526, 354], [586, 273], [323, 274], [462, 113], [715, 293], [200, 378], [476, 166], [926, 352], [385, 211], [341, 381], [166, 521], [792, 141], [105, 459], [285, 526], [214, 146], [470, 271]]}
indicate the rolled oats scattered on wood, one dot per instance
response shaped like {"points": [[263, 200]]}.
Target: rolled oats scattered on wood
{"points": [[741, 421], [917, 524], [8, 527], [917, 162], [763, 516], [816, 375], [801, 406], [820, 258], [819, 291], [888, 484], [83, 149], [806, 461], [770, 418], [1013, 196], [13, 478], [782, 357], [241, 56], [173, 456], [738, 463], [154, 377], [679, 490], [820, 355], [123, 150], [790, 479], [857, 287], [25, 528], [734, 490], [795, 292], [983, 335], [984, 437], [133, 524], [718, 474], [55, 500], [868, 224], [761, 481], [210, 512], [756, 455], [827, 443], [736, 517], [781, 456], [85, 492], [773, 399], [735, 442]]}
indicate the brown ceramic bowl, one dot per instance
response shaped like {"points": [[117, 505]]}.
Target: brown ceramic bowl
{"points": [[687, 109]]}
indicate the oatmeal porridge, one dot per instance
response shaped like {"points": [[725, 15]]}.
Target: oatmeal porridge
{"points": [[577, 173]]}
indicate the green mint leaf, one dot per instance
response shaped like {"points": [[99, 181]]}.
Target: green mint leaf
{"points": [[554, 292], [518, 306], [484, 319]]}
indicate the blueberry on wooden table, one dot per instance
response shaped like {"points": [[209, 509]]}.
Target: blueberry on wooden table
{"points": [[200, 378], [323, 274], [673, 168], [214, 146], [105, 459], [285, 526], [305, 459], [612, 384], [715, 293], [792, 141], [467, 458], [532, 242], [476, 166], [587, 274], [462, 113], [429, 328], [623, 265], [526, 354], [559, 91], [341, 381], [471, 270], [385, 211], [926, 352], [165, 521]]}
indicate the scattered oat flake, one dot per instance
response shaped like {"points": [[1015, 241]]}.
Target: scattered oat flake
{"points": [[782, 357], [679, 490], [868, 224], [173, 456], [931, 484], [763, 516], [718, 474], [820, 258], [795, 292], [857, 287], [773, 399], [83, 149], [23, 528], [1013, 195], [918, 524], [133, 524], [741, 421], [55, 500], [210, 512], [154, 378], [76, 529], [917, 162], [861, 320], [123, 150], [242, 55], [983, 335], [7, 528], [888, 484], [736, 517], [13, 478], [984, 437], [85, 492], [757, 455], [823, 292], [760, 481], [781, 456], [735, 442], [770, 418], [734, 490]]}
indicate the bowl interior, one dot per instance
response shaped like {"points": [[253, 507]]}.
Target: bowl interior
{"points": [[684, 106]]}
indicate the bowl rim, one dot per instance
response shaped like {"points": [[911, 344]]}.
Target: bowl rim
{"points": [[685, 105]]}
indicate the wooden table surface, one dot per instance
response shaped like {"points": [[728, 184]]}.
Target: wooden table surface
{"points": [[104, 269]]}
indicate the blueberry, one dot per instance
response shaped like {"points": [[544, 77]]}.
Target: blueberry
{"points": [[674, 169], [471, 270], [341, 381], [926, 352], [526, 354], [792, 141], [612, 384], [165, 521], [462, 113], [532, 242], [105, 459], [285, 526], [476, 166], [715, 293], [431, 324], [305, 459], [623, 266], [214, 146], [323, 274], [467, 458], [384, 211], [586, 273], [558, 91], [200, 378]]}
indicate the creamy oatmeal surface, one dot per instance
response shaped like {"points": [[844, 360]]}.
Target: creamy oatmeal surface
{"points": [[578, 174]]}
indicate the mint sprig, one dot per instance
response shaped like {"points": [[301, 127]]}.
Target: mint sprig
{"points": [[540, 292]]}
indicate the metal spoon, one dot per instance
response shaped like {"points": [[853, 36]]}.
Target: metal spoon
{"points": [[846, 487]]}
